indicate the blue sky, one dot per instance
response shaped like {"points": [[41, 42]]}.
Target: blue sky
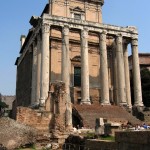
{"points": [[15, 16]]}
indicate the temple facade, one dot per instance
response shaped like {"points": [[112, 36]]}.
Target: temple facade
{"points": [[69, 43]]}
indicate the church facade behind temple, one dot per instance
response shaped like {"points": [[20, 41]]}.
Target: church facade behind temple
{"points": [[69, 42]]}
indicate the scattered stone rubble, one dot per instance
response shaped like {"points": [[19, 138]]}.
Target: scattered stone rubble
{"points": [[14, 134]]}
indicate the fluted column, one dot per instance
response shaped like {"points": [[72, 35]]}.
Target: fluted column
{"points": [[34, 72], [120, 71], [38, 68], [65, 70], [136, 74], [44, 64], [127, 75], [104, 70], [84, 68]]}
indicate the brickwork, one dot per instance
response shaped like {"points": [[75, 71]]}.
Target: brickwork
{"points": [[24, 78], [35, 118], [100, 145], [144, 60], [133, 140], [90, 113]]}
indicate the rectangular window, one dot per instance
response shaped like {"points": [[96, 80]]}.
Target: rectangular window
{"points": [[77, 16], [77, 76]]}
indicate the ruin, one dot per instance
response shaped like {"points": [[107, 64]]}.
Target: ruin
{"points": [[70, 44]]}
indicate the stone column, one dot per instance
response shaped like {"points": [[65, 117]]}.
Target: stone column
{"points": [[120, 71], [115, 75], [84, 68], [136, 74], [34, 72], [38, 68], [127, 74], [44, 64], [65, 70], [50, 7], [104, 70]]}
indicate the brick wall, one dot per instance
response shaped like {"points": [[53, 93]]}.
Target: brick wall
{"points": [[41, 120], [24, 78]]}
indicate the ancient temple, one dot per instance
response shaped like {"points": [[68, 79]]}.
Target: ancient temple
{"points": [[70, 43]]}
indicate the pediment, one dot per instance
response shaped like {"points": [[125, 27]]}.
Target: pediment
{"points": [[77, 9]]}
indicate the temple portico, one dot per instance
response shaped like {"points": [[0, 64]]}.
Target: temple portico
{"points": [[121, 38], [71, 61]]}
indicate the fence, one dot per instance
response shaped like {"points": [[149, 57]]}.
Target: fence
{"points": [[70, 146]]}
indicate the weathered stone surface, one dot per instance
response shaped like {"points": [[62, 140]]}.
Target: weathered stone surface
{"points": [[14, 134]]}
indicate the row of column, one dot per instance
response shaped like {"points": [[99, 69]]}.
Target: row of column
{"points": [[123, 79]]}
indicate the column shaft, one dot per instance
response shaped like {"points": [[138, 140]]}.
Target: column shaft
{"points": [[65, 69], [34, 72], [127, 75], [104, 70], [38, 68], [44, 64], [84, 68], [136, 74], [120, 71]]}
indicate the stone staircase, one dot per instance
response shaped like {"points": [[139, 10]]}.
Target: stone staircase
{"points": [[89, 113]]}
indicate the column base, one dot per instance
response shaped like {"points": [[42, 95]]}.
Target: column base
{"points": [[35, 105], [86, 102], [123, 104], [105, 104], [42, 102], [138, 104]]}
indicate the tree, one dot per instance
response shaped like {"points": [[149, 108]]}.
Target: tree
{"points": [[145, 83], [3, 105]]}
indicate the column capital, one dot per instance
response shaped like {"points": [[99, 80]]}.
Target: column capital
{"points": [[126, 41], [103, 36], [104, 32], [84, 33], [134, 42], [119, 39], [45, 28], [65, 30]]}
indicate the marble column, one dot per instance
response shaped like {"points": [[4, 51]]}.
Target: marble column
{"points": [[38, 68], [127, 75], [44, 64], [85, 99], [104, 70], [120, 71], [65, 70], [136, 74], [50, 7], [34, 72]]}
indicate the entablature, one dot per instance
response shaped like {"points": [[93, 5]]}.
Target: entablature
{"points": [[129, 31]]}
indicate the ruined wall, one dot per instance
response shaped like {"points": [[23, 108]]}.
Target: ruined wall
{"points": [[40, 120], [139, 140], [100, 145], [24, 78], [133, 140]]}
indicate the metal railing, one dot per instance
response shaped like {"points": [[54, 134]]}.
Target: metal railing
{"points": [[70, 146]]}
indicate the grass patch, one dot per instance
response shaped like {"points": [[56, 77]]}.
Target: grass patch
{"points": [[109, 138]]}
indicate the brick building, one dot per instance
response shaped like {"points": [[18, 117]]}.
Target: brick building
{"points": [[144, 61], [70, 43]]}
